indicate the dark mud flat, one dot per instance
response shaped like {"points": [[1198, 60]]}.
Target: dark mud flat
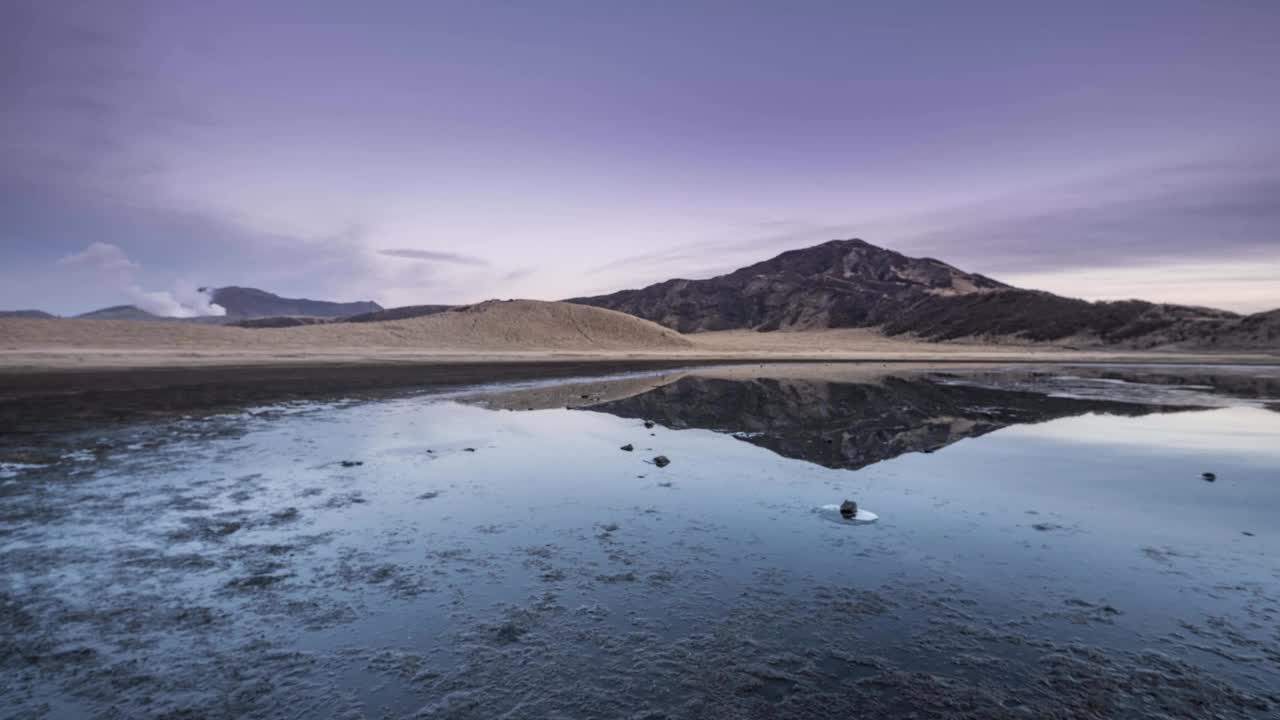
{"points": [[59, 400], [1046, 548]]}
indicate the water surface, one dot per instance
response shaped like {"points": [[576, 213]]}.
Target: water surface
{"points": [[1046, 547]]}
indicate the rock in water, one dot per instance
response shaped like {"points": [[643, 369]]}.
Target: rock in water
{"points": [[352, 463], [848, 508], [1209, 477], [648, 423], [661, 461], [628, 447]]}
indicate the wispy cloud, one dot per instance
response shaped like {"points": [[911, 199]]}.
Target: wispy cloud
{"points": [[101, 256], [518, 274], [1163, 215], [434, 256]]}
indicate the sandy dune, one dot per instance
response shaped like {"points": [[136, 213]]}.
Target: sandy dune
{"points": [[508, 331]]}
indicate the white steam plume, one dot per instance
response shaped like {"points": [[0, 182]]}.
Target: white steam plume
{"points": [[110, 262]]}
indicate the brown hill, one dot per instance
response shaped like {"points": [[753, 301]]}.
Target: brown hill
{"points": [[512, 326]]}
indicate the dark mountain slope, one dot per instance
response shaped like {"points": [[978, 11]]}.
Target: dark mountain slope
{"points": [[1041, 316], [842, 283], [850, 283]]}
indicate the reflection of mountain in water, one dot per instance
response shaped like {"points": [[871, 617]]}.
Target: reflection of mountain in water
{"points": [[851, 425]]}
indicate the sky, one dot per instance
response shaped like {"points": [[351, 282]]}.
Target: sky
{"points": [[442, 152]]}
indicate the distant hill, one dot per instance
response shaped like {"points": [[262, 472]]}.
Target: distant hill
{"points": [[32, 314], [244, 303], [499, 326], [119, 312], [851, 283], [133, 312], [399, 313]]}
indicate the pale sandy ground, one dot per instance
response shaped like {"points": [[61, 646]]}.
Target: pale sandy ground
{"points": [[497, 331]]}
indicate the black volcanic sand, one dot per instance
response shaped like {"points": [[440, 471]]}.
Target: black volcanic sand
{"points": [[204, 596]]}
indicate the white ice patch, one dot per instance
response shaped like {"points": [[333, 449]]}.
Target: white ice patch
{"points": [[9, 470], [862, 516]]}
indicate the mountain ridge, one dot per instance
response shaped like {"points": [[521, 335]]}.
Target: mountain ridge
{"points": [[852, 283]]}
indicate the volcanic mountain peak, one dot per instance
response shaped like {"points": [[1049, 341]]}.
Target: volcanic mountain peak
{"points": [[852, 283], [841, 283], [858, 260]]}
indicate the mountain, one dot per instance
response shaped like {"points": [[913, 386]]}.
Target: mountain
{"points": [[119, 312], [851, 283], [842, 283], [241, 302], [29, 314]]}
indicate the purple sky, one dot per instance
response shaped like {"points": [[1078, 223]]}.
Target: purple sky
{"points": [[416, 152]]}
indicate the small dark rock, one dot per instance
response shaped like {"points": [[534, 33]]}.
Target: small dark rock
{"points": [[1208, 477], [1246, 533], [468, 449], [648, 423], [661, 461], [848, 508], [351, 463], [628, 447], [1047, 527], [510, 633], [585, 396]]}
